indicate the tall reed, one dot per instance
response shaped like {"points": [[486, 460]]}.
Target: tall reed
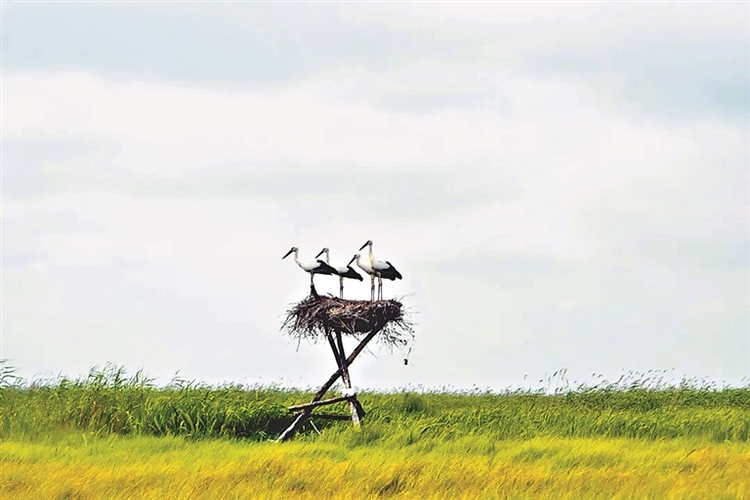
{"points": [[107, 400]]}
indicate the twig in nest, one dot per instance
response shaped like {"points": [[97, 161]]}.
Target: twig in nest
{"points": [[311, 318]]}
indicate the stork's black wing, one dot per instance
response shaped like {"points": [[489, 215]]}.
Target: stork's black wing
{"points": [[324, 268], [390, 273], [351, 274]]}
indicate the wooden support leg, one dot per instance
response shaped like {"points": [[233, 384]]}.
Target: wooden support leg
{"points": [[289, 432], [349, 360], [338, 352], [354, 407], [335, 350]]}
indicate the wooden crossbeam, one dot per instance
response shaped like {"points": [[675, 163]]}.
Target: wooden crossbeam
{"points": [[315, 404]]}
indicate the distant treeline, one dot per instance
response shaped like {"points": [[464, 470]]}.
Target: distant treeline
{"points": [[107, 401]]}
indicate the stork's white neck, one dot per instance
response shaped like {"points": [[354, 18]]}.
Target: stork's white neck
{"points": [[365, 265], [327, 257]]}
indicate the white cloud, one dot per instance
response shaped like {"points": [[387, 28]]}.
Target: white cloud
{"points": [[166, 132], [146, 215]]}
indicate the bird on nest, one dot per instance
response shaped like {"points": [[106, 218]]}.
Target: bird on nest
{"points": [[343, 271], [313, 267], [376, 269]]}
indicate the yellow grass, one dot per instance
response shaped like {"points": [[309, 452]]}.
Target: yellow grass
{"points": [[85, 467]]}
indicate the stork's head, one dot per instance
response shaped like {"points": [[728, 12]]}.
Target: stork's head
{"points": [[368, 242], [291, 251], [324, 251]]}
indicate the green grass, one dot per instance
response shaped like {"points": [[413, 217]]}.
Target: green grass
{"points": [[84, 466], [108, 435], [108, 402]]}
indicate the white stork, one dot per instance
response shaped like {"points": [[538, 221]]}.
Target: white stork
{"points": [[343, 271], [313, 267], [376, 268]]}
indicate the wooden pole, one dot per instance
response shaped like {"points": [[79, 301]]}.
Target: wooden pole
{"points": [[353, 406], [338, 353]]}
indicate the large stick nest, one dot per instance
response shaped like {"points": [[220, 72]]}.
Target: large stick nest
{"points": [[311, 318]]}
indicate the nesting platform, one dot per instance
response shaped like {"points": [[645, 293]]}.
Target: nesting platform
{"points": [[329, 318]]}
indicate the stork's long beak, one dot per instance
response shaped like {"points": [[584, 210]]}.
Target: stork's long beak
{"points": [[353, 259], [287, 254], [363, 246], [320, 253]]}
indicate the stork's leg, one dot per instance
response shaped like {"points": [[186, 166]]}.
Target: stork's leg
{"points": [[372, 287], [380, 288], [341, 287]]}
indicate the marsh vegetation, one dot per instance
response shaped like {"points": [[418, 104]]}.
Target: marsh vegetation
{"points": [[633, 438]]}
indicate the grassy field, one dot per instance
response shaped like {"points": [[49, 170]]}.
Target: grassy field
{"points": [[108, 436], [80, 466]]}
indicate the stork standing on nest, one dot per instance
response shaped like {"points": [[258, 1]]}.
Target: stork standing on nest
{"points": [[343, 271], [313, 267], [376, 268]]}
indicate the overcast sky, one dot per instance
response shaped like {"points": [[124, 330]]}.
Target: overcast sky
{"points": [[562, 186]]}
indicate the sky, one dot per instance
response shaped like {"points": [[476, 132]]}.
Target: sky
{"points": [[563, 186]]}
